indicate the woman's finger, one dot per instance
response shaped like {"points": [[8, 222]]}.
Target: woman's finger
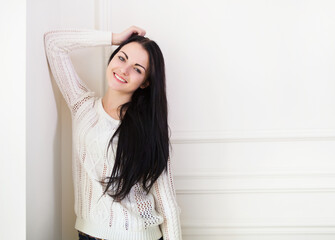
{"points": [[138, 30]]}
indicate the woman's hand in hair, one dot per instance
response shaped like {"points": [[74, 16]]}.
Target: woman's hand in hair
{"points": [[118, 38]]}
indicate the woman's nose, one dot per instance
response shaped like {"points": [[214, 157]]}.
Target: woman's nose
{"points": [[125, 70]]}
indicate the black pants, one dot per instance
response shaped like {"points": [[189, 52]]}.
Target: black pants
{"points": [[84, 236]]}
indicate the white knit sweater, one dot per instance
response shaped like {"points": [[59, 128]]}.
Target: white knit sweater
{"points": [[141, 217]]}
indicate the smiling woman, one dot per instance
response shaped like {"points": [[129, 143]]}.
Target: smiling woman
{"points": [[129, 67], [127, 194]]}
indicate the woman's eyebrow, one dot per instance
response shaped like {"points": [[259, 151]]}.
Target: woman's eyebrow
{"points": [[140, 66], [124, 54], [136, 63]]}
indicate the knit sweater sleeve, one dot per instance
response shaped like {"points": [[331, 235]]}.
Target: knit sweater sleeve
{"points": [[58, 44], [167, 206]]}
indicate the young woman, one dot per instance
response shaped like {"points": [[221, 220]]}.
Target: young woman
{"points": [[121, 167]]}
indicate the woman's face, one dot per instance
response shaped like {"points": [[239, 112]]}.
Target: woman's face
{"points": [[127, 71]]}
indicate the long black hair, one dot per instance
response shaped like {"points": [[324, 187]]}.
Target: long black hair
{"points": [[143, 134]]}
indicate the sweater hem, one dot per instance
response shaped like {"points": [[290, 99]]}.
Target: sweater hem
{"points": [[112, 233]]}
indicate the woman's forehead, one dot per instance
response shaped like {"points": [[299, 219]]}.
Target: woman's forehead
{"points": [[135, 52]]}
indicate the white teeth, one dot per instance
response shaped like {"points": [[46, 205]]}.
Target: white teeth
{"points": [[120, 78]]}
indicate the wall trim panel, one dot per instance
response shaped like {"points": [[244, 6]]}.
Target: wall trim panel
{"points": [[219, 230], [270, 182], [102, 15], [183, 137]]}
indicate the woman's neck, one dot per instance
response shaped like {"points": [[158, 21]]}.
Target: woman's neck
{"points": [[112, 100]]}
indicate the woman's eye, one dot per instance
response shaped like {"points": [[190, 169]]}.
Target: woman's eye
{"points": [[138, 70], [121, 58]]}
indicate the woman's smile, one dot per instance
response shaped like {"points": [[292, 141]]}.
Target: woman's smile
{"points": [[119, 78]]}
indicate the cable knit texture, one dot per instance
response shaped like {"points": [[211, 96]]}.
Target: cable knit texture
{"points": [[139, 216]]}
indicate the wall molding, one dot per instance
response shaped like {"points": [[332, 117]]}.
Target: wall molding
{"points": [[103, 20], [102, 15], [253, 174], [219, 230], [269, 182], [251, 190], [183, 137]]}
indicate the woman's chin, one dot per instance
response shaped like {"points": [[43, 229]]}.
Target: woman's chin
{"points": [[114, 85], [117, 88]]}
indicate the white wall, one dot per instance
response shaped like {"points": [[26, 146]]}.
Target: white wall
{"points": [[12, 120], [43, 128], [252, 112]]}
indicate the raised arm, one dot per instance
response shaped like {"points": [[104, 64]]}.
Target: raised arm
{"points": [[165, 195], [58, 44]]}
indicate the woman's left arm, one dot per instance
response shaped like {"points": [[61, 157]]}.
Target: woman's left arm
{"points": [[165, 194]]}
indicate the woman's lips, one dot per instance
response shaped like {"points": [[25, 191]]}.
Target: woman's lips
{"points": [[119, 79]]}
